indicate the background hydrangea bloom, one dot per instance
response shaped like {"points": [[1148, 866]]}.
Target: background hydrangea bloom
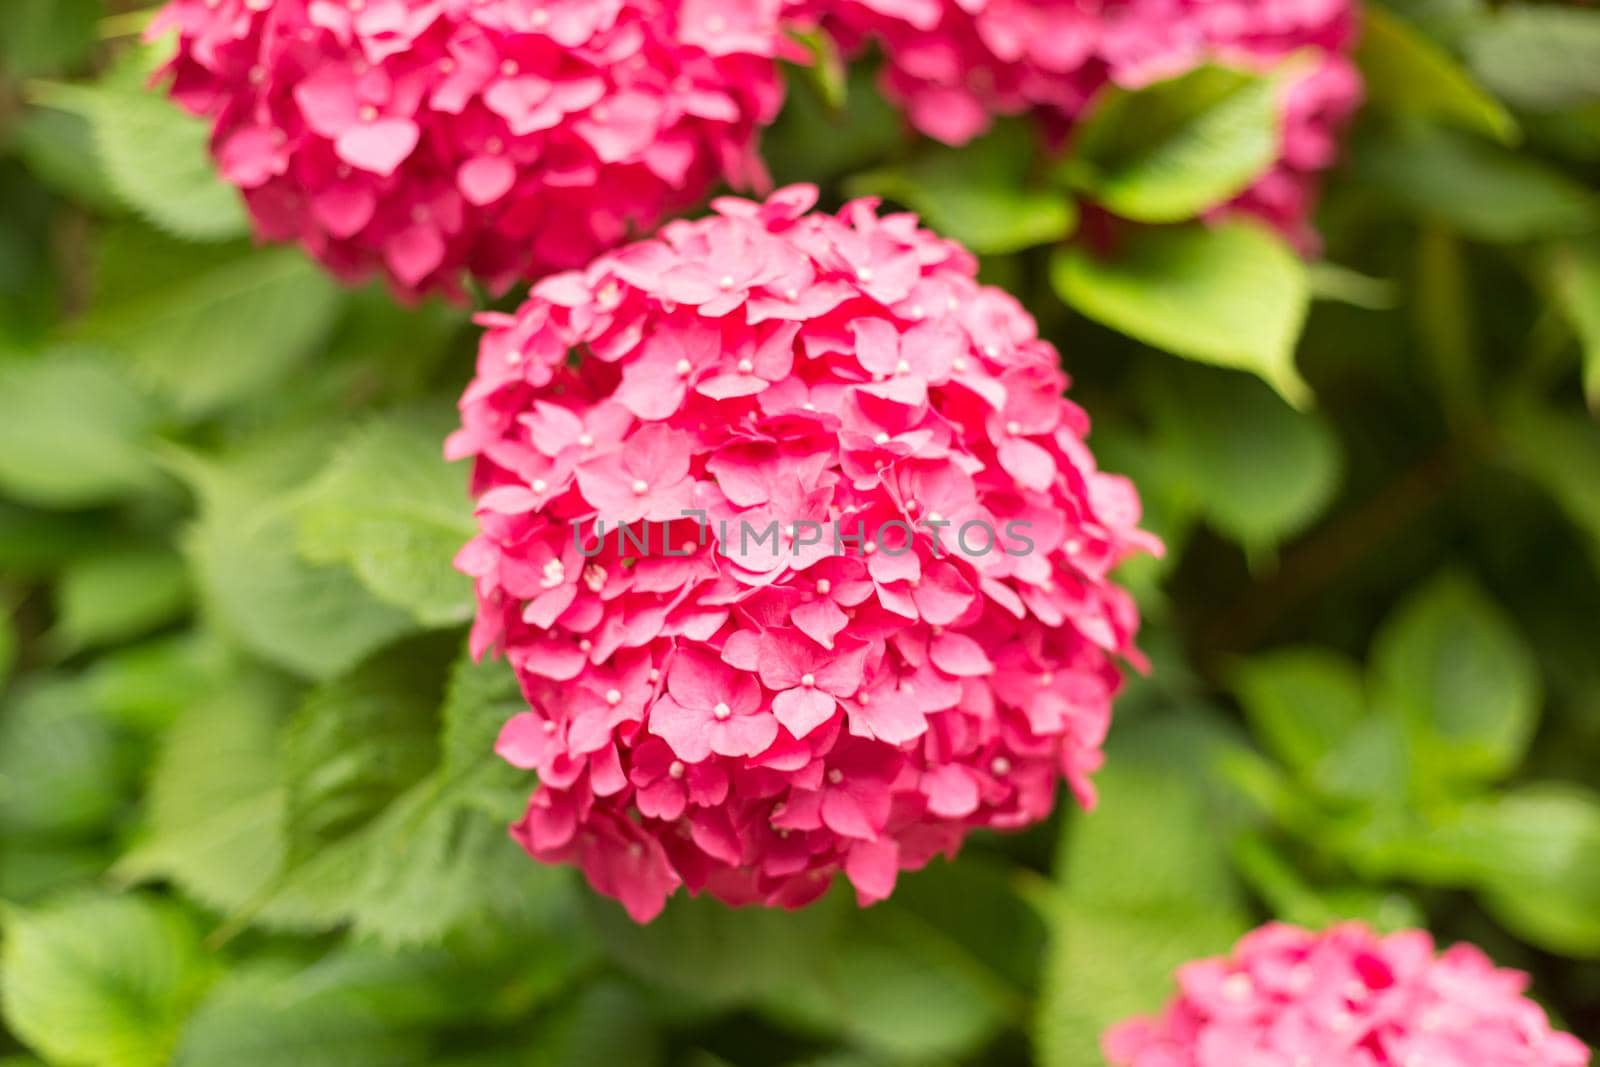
{"points": [[955, 64], [749, 721], [498, 137], [1346, 998]]}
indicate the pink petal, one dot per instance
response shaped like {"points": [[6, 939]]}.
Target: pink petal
{"points": [[872, 867], [379, 146], [485, 179], [960, 655], [686, 730], [803, 710], [743, 735]]}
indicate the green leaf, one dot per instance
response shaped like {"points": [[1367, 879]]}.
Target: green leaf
{"points": [[147, 685], [361, 740], [1539, 58], [1408, 74], [1532, 854], [1540, 850], [58, 149], [1108, 965], [1172, 150], [155, 155], [605, 1026], [931, 973], [1337, 284], [103, 982], [813, 142], [1478, 188], [1451, 666], [1232, 295], [479, 700], [316, 621], [1302, 703], [1144, 886], [42, 36], [107, 598], [426, 865], [73, 432], [1442, 309], [33, 871], [895, 985], [978, 194], [257, 1017], [355, 1007], [1274, 878], [35, 544], [715, 956], [391, 509], [1373, 766], [825, 71], [62, 772], [1259, 471], [1561, 453], [231, 324], [1575, 270], [8, 647], [419, 850], [216, 806]]}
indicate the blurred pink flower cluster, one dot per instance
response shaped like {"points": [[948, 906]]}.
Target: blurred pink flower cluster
{"points": [[748, 719], [427, 138], [956, 64], [1346, 998]]}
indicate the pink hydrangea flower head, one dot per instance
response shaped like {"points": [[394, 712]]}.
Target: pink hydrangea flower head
{"points": [[1346, 998], [861, 604], [426, 139], [956, 64]]}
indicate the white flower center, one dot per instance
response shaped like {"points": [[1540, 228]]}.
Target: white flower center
{"points": [[721, 712]]}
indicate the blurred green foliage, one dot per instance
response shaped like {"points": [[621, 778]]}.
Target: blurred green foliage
{"points": [[249, 810]]}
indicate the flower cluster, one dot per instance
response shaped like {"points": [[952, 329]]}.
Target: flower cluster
{"points": [[748, 715], [505, 138], [957, 63], [1346, 998]]}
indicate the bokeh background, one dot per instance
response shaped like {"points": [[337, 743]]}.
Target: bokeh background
{"points": [[249, 809]]}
